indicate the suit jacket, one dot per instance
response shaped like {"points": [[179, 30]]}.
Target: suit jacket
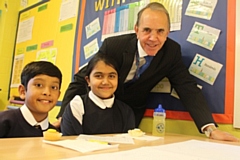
{"points": [[166, 63]]}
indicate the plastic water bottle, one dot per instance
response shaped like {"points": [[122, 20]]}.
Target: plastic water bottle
{"points": [[159, 116]]}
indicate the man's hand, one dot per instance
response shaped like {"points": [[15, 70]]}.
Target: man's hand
{"points": [[223, 136], [57, 123]]}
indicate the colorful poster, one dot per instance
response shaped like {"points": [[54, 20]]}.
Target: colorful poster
{"points": [[91, 48], [201, 8], [17, 69], [92, 28], [205, 69], [203, 35]]}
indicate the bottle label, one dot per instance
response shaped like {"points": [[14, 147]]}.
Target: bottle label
{"points": [[160, 128]]}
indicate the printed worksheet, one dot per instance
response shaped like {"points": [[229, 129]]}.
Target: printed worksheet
{"points": [[201, 8], [205, 68], [203, 35]]}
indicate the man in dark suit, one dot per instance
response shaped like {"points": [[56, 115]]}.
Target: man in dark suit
{"points": [[151, 39]]}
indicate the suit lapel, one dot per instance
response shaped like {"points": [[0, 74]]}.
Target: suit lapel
{"points": [[156, 61], [128, 57]]}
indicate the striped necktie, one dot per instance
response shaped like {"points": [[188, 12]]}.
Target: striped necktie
{"points": [[145, 65]]}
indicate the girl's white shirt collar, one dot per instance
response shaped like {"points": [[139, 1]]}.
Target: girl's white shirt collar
{"points": [[77, 108], [101, 103]]}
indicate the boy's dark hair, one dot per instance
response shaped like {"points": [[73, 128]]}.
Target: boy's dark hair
{"points": [[33, 69], [101, 57]]}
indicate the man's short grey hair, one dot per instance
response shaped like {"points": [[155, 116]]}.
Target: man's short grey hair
{"points": [[156, 7]]}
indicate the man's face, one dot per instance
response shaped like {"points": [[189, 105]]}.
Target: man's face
{"points": [[152, 30]]}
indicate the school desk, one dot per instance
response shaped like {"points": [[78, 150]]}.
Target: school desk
{"points": [[36, 149]]}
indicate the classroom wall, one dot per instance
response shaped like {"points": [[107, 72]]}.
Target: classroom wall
{"points": [[8, 21], [66, 61], [8, 25], [62, 41]]}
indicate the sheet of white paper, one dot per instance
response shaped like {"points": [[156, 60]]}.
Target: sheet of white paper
{"points": [[124, 140], [188, 150], [68, 9], [81, 145], [144, 137], [25, 30]]}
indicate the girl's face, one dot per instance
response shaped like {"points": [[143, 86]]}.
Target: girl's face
{"points": [[103, 80]]}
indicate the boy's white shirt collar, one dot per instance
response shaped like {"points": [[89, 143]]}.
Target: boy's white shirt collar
{"points": [[31, 120], [102, 103], [141, 52]]}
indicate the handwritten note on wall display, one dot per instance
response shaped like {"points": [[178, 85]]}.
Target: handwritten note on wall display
{"points": [[49, 55]]}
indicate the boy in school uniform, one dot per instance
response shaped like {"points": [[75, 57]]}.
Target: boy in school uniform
{"points": [[40, 88]]}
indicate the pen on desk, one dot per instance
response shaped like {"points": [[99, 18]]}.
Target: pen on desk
{"points": [[97, 141]]}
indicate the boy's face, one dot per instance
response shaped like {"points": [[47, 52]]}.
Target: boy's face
{"points": [[41, 94], [103, 80]]}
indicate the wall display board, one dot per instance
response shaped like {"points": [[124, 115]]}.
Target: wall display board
{"points": [[204, 35], [46, 31]]}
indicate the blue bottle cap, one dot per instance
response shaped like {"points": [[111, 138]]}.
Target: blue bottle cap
{"points": [[159, 109]]}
